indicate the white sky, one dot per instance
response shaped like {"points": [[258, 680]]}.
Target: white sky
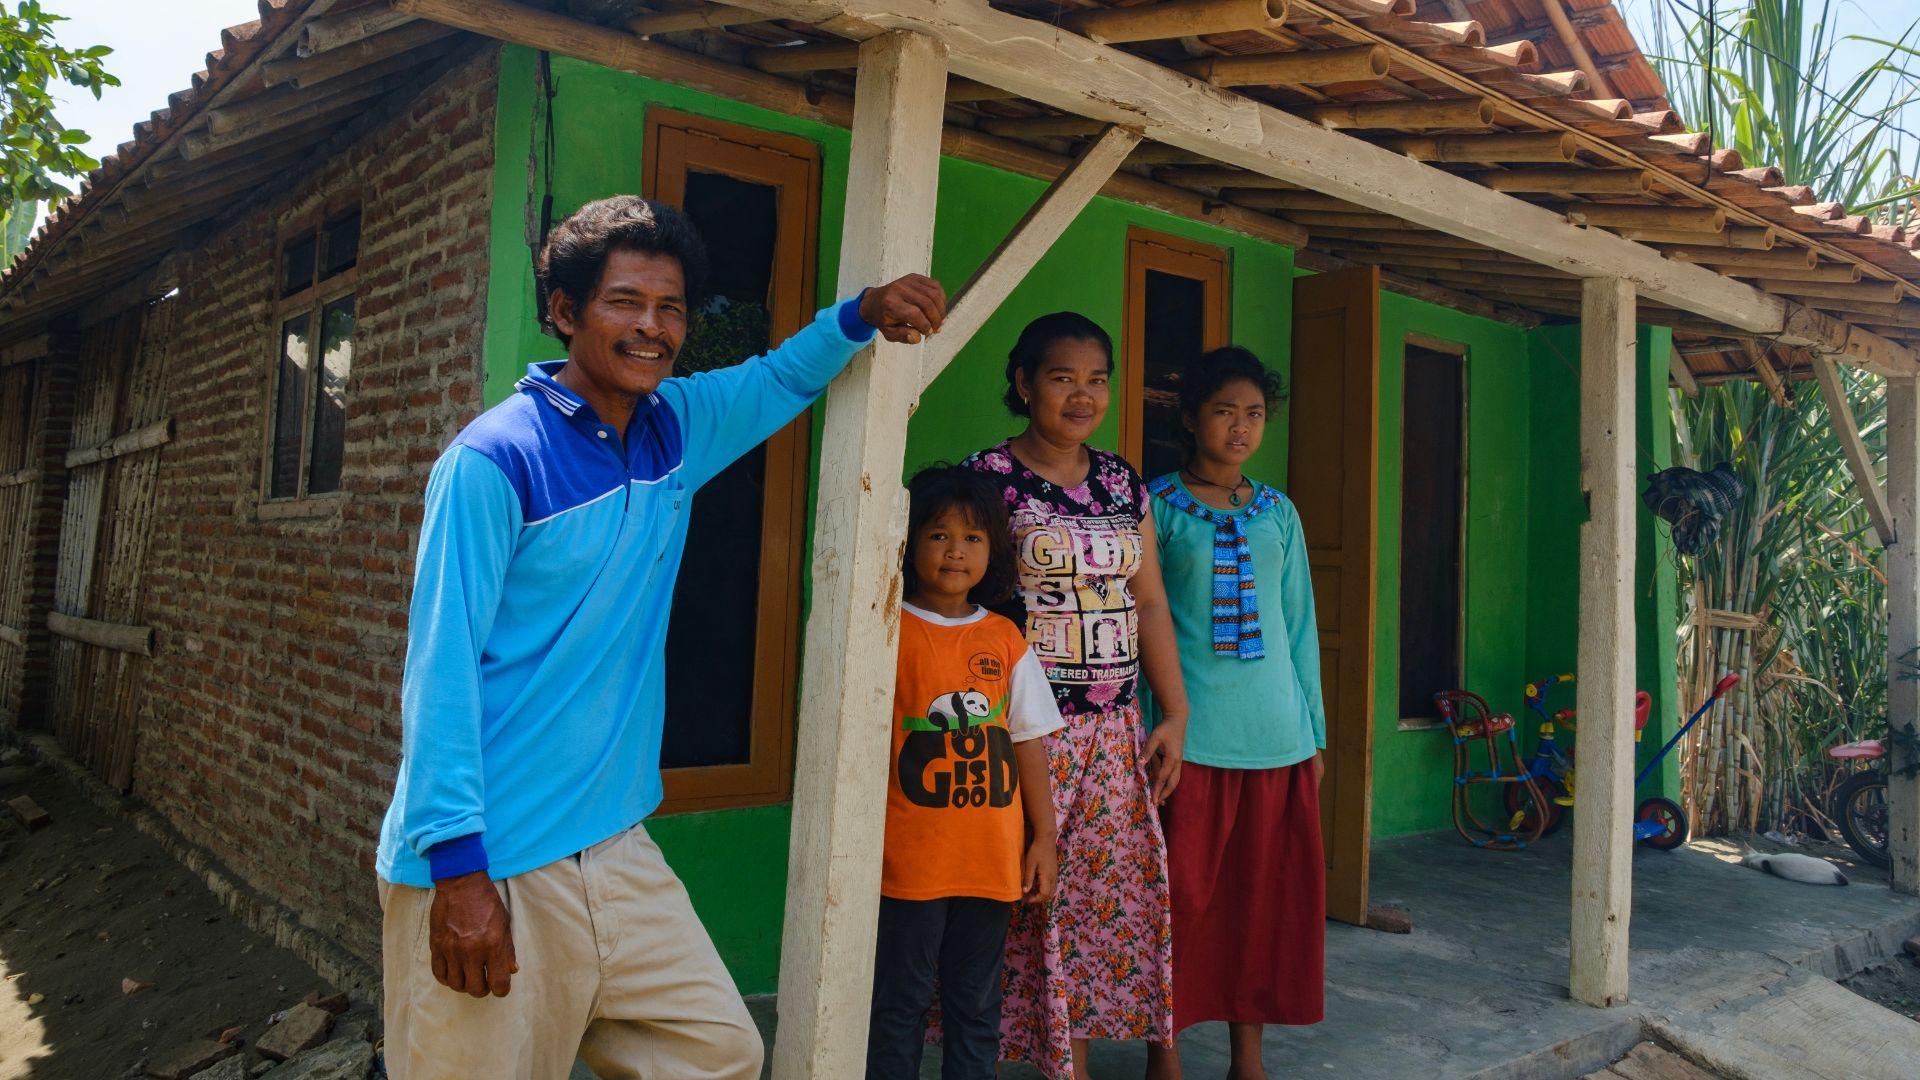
{"points": [[159, 44]]}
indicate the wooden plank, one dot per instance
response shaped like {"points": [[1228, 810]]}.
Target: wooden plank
{"points": [[1903, 625], [833, 875], [1650, 1062], [1682, 374], [1859, 462], [1603, 830], [117, 636], [1023, 247], [26, 350], [14, 636], [1333, 454], [1068, 72], [1762, 366], [158, 433]]}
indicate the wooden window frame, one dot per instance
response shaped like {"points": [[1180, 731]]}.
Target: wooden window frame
{"points": [[677, 143], [1208, 264], [1463, 354], [311, 301]]}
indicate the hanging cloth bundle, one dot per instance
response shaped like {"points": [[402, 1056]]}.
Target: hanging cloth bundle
{"points": [[1693, 502], [1236, 607]]}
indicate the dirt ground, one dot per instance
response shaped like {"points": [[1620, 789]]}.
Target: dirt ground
{"points": [[88, 901], [1894, 984]]}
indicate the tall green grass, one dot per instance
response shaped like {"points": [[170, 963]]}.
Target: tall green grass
{"points": [[1794, 595]]}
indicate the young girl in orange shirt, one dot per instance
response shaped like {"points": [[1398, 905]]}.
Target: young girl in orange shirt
{"points": [[970, 821]]}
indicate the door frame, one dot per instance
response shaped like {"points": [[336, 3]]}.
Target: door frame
{"points": [[677, 143], [1208, 264]]}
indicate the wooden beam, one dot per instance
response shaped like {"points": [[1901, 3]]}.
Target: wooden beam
{"points": [[1405, 115], [1686, 219], [316, 110], [1571, 181], [1903, 629], [1682, 374], [704, 17], [1177, 19], [1737, 237], [1023, 247], [817, 56], [146, 438], [116, 636], [1603, 837], [287, 97], [1762, 367], [333, 31], [1847, 430], [27, 350], [1865, 292], [1726, 260], [1552, 148], [1315, 67], [1206, 176], [13, 636], [318, 69], [833, 877]]}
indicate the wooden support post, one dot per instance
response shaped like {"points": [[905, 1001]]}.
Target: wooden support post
{"points": [[1603, 833], [1858, 461], [839, 790], [1023, 247], [1903, 628], [1682, 374]]}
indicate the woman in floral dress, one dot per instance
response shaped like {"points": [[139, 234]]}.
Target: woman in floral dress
{"points": [[1096, 963]]}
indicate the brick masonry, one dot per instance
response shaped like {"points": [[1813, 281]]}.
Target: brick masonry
{"points": [[271, 719]]}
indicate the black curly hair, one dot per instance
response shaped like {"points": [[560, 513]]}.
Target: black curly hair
{"points": [[1040, 335], [576, 250], [941, 487], [1204, 377]]}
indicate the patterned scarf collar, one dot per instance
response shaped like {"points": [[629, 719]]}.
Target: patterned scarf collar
{"points": [[1236, 607]]}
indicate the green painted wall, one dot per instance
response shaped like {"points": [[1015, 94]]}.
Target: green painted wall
{"points": [[1413, 769], [1558, 510], [734, 862]]}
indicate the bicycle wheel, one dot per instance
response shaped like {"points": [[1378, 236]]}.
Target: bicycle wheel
{"points": [[1520, 808], [1668, 814], [1860, 809]]}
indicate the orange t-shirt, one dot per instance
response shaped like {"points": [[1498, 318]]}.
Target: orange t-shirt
{"points": [[968, 689]]}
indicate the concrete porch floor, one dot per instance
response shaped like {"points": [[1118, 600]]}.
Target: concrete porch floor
{"points": [[1479, 989]]}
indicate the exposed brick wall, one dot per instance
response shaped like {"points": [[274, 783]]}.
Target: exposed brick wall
{"points": [[272, 719]]}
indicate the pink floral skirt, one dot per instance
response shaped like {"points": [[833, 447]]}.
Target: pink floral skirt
{"points": [[1097, 962]]}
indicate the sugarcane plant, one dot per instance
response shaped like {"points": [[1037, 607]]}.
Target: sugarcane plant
{"points": [[1793, 597]]}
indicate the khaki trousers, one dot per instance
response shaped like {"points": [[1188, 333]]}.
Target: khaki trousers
{"points": [[614, 966]]}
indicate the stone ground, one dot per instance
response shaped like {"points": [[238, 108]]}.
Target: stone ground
{"points": [[1723, 958], [87, 902]]}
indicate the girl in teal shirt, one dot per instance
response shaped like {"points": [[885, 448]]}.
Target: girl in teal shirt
{"points": [[1243, 829]]}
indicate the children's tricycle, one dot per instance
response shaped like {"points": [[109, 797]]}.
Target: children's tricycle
{"points": [[1538, 795], [1472, 723]]}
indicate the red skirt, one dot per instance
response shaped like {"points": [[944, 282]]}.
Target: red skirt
{"points": [[1249, 896]]}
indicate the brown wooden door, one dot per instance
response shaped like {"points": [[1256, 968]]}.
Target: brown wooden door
{"points": [[1332, 467]]}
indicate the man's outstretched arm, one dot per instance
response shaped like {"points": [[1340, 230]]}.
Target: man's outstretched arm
{"points": [[727, 412]]}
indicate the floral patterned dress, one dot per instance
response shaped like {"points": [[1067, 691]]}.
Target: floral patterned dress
{"points": [[1097, 962]]}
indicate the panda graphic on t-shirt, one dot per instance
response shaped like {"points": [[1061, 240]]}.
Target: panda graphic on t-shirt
{"points": [[959, 755]]}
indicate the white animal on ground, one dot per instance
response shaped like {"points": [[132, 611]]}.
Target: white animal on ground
{"points": [[1802, 868]]}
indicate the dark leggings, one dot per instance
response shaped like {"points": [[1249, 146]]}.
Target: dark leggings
{"points": [[956, 943]]}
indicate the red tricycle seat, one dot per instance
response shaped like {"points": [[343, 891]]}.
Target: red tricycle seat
{"points": [[1865, 748], [1642, 706]]}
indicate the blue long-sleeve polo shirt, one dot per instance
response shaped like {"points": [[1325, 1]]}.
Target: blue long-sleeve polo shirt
{"points": [[535, 689]]}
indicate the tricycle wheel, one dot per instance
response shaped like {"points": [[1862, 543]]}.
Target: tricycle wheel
{"points": [[1520, 808], [1669, 815], [1860, 809]]}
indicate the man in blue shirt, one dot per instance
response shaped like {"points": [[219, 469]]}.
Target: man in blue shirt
{"points": [[534, 690]]}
